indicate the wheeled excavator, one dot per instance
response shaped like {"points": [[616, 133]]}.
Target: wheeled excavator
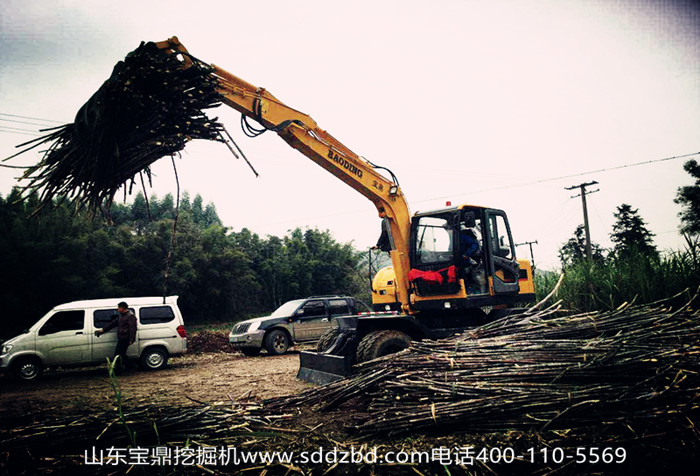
{"points": [[452, 268]]}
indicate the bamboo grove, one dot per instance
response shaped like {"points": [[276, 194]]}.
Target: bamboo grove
{"points": [[220, 275]]}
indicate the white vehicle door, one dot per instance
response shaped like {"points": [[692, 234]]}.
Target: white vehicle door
{"points": [[63, 340], [104, 345]]}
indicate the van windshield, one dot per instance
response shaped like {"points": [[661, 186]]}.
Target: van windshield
{"points": [[287, 308]]}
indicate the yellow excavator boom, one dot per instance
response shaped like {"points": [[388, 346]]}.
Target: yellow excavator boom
{"points": [[302, 133]]}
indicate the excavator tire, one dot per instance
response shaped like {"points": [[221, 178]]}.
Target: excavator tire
{"points": [[380, 343], [327, 339]]}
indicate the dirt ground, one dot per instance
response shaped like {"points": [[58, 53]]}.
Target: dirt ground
{"points": [[207, 378]]}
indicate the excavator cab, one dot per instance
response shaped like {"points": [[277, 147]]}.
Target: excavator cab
{"points": [[463, 257]]}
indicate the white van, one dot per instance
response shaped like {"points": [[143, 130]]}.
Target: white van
{"points": [[65, 336]]}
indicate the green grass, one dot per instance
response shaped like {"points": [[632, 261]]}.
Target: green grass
{"points": [[608, 284]]}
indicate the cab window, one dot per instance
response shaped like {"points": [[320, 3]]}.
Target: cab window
{"points": [[500, 238], [313, 309], [64, 321], [338, 307], [433, 240]]}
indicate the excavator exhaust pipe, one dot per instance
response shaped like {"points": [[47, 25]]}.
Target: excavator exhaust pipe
{"points": [[334, 364]]}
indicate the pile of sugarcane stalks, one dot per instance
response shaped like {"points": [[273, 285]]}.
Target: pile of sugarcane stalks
{"points": [[636, 368], [149, 108], [151, 426]]}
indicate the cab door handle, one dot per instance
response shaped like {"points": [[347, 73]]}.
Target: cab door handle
{"points": [[79, 332]]}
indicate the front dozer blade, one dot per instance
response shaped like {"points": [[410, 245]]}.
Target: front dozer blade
{"points": [[332, 365], [321, 368]]}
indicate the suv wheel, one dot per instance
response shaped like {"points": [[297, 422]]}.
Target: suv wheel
{"points": [[28, 368], [380, 343], [276, 342], [154, 358]]}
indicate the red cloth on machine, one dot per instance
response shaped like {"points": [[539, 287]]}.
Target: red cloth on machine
{"points": [[434, 277]]}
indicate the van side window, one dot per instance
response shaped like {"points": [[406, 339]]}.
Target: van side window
{"points": [[102, 317], [338, 307], [64, 321], [156, 314]]}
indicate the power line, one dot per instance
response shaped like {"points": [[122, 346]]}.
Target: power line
{"points": [[350, 212], [19, 131], [555, 219], [448, 196], [15, 121], [626, 166], [30, 118], [551, 179], [13, 130]]}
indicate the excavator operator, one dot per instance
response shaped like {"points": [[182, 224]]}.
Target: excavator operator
{"points": [[472, 262]]}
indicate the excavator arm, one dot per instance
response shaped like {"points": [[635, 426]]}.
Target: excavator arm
{"points": [[301, 132]]}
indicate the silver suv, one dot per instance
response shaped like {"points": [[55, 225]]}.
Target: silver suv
{"points": [[301, 320]]}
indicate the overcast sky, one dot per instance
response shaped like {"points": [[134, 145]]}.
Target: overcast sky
{"points": [[496, 103]]}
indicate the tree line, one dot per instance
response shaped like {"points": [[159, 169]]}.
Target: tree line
{"points": [[61, 255], [633, 269]]}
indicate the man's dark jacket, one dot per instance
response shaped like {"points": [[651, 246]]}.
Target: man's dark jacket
{"points": [[126, 326]]}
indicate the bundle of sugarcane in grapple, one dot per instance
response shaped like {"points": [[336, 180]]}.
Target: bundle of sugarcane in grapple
{"points": [[149, 108]]}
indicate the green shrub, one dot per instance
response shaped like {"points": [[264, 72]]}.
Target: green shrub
{"points": [[639, 277]]}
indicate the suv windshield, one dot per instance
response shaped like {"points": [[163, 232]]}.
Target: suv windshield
{"points": [[287, 308]]}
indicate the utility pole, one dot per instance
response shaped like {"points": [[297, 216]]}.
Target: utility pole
{"points": [[582, 186], [532, 256]]}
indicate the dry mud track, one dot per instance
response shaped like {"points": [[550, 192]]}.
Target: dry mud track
{"points": [[207, 378]]}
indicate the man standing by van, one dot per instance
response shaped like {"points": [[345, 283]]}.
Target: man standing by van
{"points": [[126, 333]]}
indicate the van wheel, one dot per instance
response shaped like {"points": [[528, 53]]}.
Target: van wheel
{"points": [[154, 358], [380, 343], [28, 368], [276, 342]]}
